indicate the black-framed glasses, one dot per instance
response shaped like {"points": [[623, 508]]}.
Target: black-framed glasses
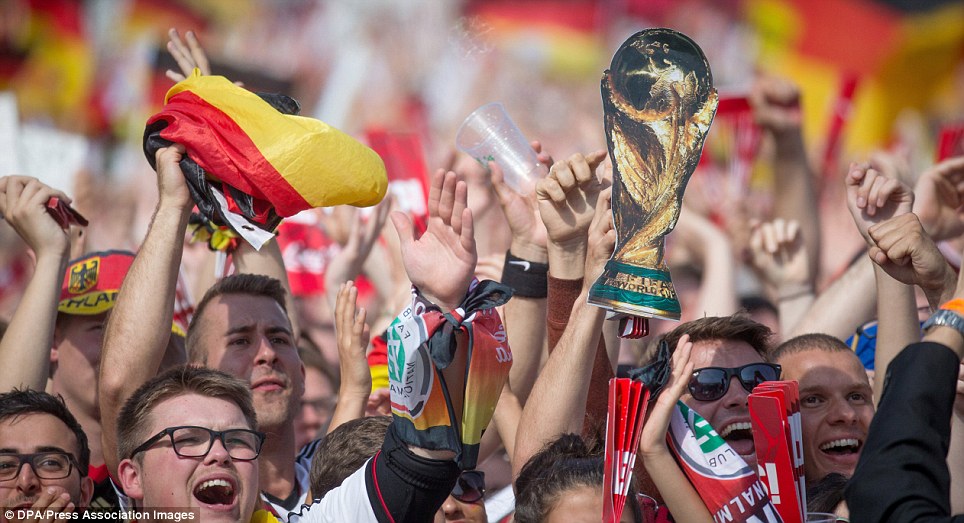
{"points": [[470, 486], [712, 383], [45, 465], [196, 442]]}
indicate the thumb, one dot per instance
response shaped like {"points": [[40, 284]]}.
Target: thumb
{"points": [[405, 229]]}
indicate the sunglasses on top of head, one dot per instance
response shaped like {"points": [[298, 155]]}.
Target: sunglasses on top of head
{"points": [[470, 486], [712, 383]]}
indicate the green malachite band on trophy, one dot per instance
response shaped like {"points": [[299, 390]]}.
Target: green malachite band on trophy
{"points": [[647, 292]]}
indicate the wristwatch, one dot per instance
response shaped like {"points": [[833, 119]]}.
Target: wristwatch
{"points": [[945, 318]]}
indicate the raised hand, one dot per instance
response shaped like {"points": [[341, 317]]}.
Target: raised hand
{"points": [[903, 250], [567, 197], [875, 194], [362, 236], [652, 441], [352, 335], [440, 263], [187, 56], [23, 204], [522, 213], [778, 253], [171, 186], [776, 104], [940, 199]]}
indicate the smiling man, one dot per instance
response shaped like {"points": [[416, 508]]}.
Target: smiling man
{"points": [[836, 402], [730, 358], [43, 454]]}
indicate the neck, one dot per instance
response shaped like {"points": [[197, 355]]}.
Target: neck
{"points": [[276, 466]]}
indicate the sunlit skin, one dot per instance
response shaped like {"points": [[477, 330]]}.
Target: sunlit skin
{"points": [[316, 407], [582, 504], [77, 342], [836, 403], [161, 478], [34, 433], [733, 406]]}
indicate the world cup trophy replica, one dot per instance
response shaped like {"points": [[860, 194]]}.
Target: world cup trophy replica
{"points": [[659, 102]]}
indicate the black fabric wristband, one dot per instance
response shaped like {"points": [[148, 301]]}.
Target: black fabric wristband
{"points": [[527, 278]]}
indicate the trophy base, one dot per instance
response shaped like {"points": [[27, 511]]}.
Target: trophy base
{"points": [[637, 291]]}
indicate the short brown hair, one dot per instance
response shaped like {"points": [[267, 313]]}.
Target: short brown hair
{"points": [[738, 327], [812, 341], [134, 417], [248, 284], [344, 450]]}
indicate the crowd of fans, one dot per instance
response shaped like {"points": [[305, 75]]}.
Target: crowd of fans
{"points": [[244, 417]]}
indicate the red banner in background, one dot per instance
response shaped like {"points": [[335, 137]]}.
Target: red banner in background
{"points": [[306, 251], [407, 173], [950, 141]]}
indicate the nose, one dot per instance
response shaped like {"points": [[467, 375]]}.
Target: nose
{"points": [[217, 454], [266, 354], [27, 481], [451, 508], [736, 396], [842, 413]]}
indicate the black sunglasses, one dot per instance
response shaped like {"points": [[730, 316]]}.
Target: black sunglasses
{"points": [[470, 486], [196, 442], [712, 383]]}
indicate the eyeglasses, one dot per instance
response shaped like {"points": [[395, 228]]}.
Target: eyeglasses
{"points": [[45, 465], [196, 442], [470, 486], [712, 383]]}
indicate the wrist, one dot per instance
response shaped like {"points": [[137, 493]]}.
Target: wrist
{"points": [[444, 303], [567, 263], [527, 278], [794, 291], [528, 250]]}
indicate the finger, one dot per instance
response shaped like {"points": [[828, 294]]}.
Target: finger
{"points": [[181, 56], [447, 197], [793, 232], [562, 172], [467, 237], [769, 238], [29, 193], [553, 190], [435, 192], [595, 159], [779, 232], [197, 53], [459, 205], [756, 240], [579, 166], [174, 76]]}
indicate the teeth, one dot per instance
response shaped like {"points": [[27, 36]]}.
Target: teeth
{"points": [[846, 442], [741, 425], [215, 483]]}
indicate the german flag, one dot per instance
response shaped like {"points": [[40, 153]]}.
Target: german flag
{"points": [[289, 162]]}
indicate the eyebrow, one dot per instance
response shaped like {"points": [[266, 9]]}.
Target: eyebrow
{"points": [[37, 450]]}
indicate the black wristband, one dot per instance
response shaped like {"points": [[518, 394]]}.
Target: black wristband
{"points": [[529, 279]]}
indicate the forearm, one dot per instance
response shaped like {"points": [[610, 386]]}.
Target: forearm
{"points": [[793, 302], [557, 402], [567, 261], [678, 494], [938, 295], [25, 347], [140, 322], [718, 288], [844, 306], [955, 463], [794, 192], [525, 325], [897, 325], [351, 405]]}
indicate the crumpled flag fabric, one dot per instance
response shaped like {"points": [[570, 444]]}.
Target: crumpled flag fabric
{"points": [[285, 163]]}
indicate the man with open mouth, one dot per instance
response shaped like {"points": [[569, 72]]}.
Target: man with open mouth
{"points": [[836, 402]]}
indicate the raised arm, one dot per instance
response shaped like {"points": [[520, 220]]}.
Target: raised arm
{"points": [[557, 403], [25, 347], [711, 249], [940, 199], [525, 270], [677, 493], [875, 195], [140, 322], [352, 336], [776, 107]]}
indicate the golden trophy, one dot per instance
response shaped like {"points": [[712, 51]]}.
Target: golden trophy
{"points": [[659, 102]]}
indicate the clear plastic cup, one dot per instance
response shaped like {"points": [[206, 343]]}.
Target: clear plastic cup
{"points": [[488, 134]]}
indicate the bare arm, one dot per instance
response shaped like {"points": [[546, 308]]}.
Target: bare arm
{"points": [[557, 403], [267, 262], [776, 107], [711, 249], [352, 334], [25, 347], [140, 322], [678, 494]]}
